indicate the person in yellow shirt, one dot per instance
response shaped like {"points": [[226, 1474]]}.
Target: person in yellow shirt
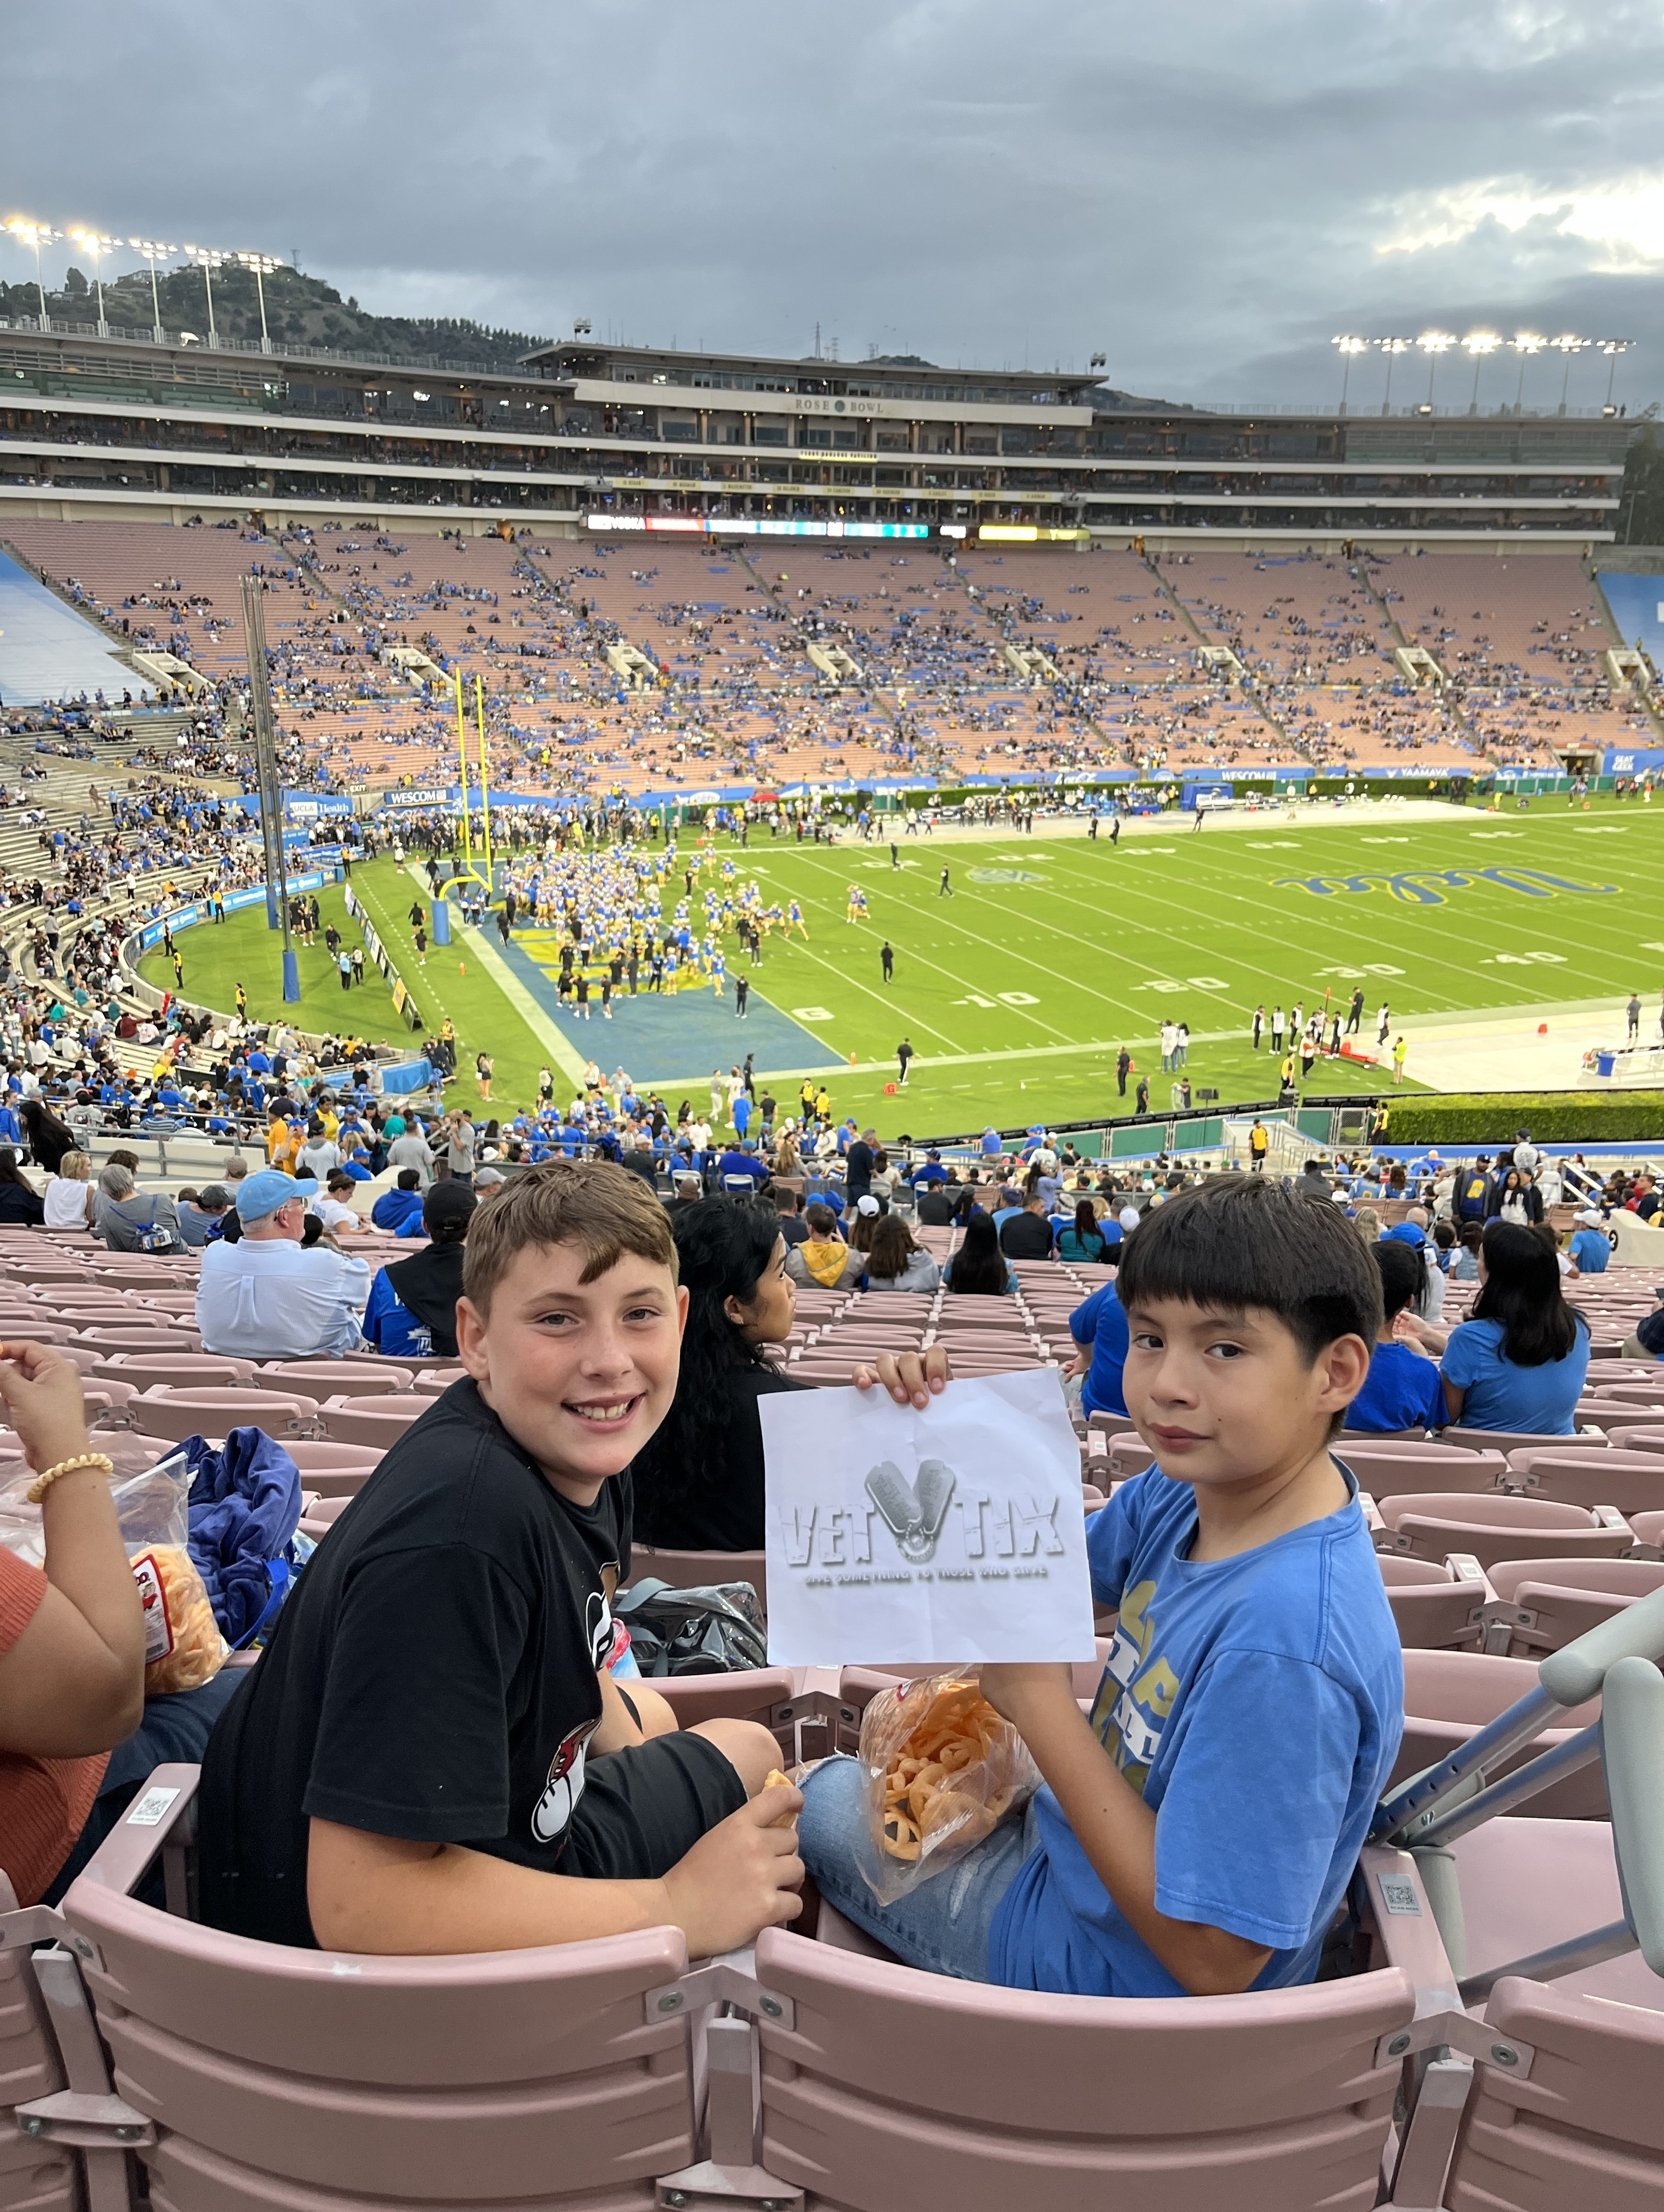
{"points": [[323, 1109]]}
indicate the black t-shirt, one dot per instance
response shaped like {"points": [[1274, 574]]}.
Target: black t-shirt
{"points": [[858, 1170], [729, 1518], [1026, 1236], [433, 1677], [936, 1207]]}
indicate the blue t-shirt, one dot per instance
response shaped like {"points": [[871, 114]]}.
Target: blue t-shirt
{"points": [[1532, 1401], [391, 1328], [1402, 1390], [1590, 1252], [1255, 1703], [1101, 1322]]}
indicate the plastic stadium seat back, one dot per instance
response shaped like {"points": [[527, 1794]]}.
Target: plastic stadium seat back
{"points": [[1527, 1883], [177, 1370], [381, 1420], [896, 2088], [1645, 1438], [1509, 1441], [212, 1411], [1631, 1481], [1585, 2128], [1542, 1605], [293, 2078], [334, 1378], [1403, 1470], [1449, 1696], [701, 1570], [1497, 1526], [33, 2177]]}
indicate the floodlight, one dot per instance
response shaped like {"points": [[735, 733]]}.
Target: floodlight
{"points": [[1612, 348], [153, 250], [208, 259], [264, 266], [1571, 346], [1433, 343], [1392, 348], [1348, 346], [1479, 344], [95, 246], [27, 232]]}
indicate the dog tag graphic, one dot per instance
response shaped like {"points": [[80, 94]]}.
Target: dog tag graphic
{"points": [[913, 1512]]}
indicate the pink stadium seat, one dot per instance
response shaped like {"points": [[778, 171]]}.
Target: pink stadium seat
{"points": [[334, 1378], [211, 1412], [1637, 1439], [1631, 1481], [379, 1421], [144, 1370], [1436, 1606], [49, 2049], [1541, 1605], [131, 1338], [892, 2087], [1494, 1526], [1449, 1696], [278, 2078], [1509, 1441], [1406, 1470]]}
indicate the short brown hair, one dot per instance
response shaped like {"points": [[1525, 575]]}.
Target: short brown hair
{"points": [[606, 1209]]}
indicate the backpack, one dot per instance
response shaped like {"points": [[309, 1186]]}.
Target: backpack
{"points": [[154, 1238], [715, 1629]]}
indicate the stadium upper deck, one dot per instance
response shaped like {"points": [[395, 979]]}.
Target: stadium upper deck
{"points": [[622, 439]]}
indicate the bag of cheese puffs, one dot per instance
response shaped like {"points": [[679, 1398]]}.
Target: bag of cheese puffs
{"points": [[942, 1770]]}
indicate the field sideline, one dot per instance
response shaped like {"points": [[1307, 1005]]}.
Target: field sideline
{"points": [[1017, 991]]}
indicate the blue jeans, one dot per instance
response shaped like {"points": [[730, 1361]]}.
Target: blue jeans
{"points": [[942, 1927]]}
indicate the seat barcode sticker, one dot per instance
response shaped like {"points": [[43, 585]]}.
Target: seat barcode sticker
{"points": [[1399, 1895], [150, 1810]]}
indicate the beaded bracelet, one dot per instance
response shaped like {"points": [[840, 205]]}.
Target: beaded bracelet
{"points": [[43, 1483]]}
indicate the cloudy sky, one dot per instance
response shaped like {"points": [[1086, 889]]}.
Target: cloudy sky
{"points": [[1204, 190]]}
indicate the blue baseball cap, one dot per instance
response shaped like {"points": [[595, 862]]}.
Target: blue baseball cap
{"points": [[264, 1193]]}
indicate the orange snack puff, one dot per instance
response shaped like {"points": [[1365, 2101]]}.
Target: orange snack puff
{"points": [[183, 1646], [941, 1770]]}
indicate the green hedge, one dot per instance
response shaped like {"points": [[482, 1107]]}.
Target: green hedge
{"points": [[1560, 1117]]}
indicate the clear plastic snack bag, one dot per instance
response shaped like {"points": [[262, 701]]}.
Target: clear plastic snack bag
{"points": [[942, 1770], [183, 1645]]}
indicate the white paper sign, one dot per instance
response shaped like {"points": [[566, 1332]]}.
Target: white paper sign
{"points": [[940, 1538]]}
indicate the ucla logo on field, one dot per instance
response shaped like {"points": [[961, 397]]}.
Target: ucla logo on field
{"points": [[1002, 876], [1428, 886]]}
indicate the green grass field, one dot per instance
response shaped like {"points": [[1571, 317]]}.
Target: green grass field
{"points": [[1053, 952]]}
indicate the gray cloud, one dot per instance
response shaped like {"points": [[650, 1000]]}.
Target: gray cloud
{"points": [[1202, 191]]}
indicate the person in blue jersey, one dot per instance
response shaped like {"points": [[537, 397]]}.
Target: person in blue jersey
{"points": [[1518, 1362], [1255, 1661], [411, 1310], [1404, 1388], [400, 1209]]}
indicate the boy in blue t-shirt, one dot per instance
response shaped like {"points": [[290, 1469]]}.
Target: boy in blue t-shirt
{"points": [[1198, 1830], [1404, 1388]]}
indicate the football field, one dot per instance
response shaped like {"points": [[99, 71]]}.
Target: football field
{"points": [[1017, 990]]}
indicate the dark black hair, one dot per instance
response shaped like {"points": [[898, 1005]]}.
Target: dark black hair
{"points": [[979, 1265], [723, 1252], [9, 1171], [1243, 1243], [1402, 1274], [1086, 1220], [1521, 1291]]}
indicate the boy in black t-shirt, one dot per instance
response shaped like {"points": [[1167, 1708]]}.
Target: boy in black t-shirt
{"points": [[430, 1756]]}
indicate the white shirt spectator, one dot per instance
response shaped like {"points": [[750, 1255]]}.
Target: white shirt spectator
{"points": [[269, 1299], [333, 1214]]}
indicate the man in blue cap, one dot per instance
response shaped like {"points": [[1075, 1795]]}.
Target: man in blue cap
{"points": [[264, 1297]]}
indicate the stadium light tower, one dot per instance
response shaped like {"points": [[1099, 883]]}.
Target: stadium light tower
{"points": [[153, 250], [95, 246], [1479, 344], [1525, 344], [37, 234], [1433, 343], [1348, 348], [263, 264], [1392, 348], [1571, 347], [268, 781], [208, 259], [1612, 348]]}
